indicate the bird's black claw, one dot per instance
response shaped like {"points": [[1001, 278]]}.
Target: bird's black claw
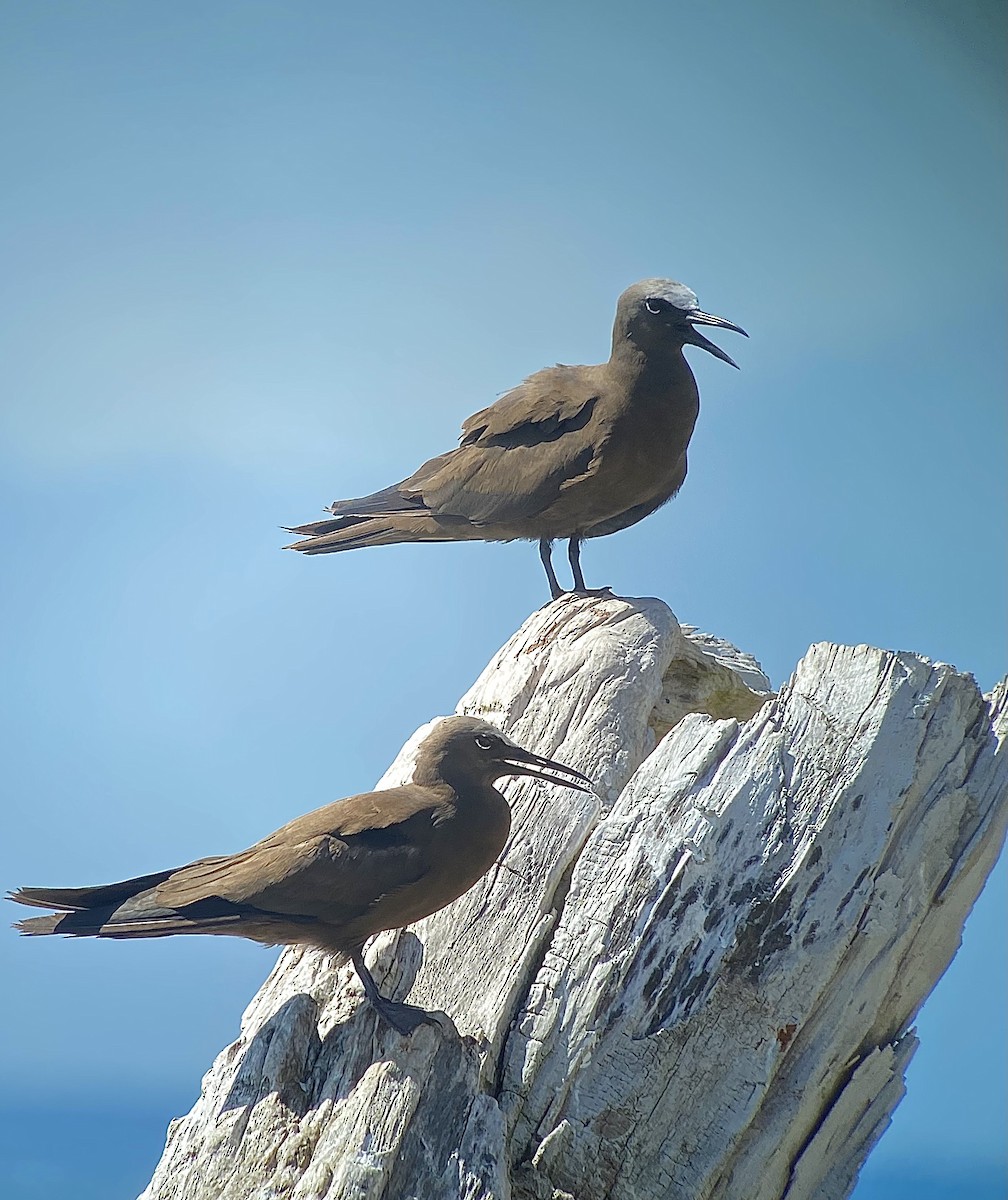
{"points": [[406, 1018], [586, 591]]}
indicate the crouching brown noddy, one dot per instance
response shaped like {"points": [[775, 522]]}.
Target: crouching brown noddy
{"points": [[573, 452], [333, 878]]}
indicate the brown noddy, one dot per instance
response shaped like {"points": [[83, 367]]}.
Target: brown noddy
{"points": [[573, 452], [334, 877]]}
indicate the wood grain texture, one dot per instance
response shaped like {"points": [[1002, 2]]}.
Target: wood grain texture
{"points": [[701, 985]]}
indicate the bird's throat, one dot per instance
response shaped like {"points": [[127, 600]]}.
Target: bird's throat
{"points": [[655, 378]]}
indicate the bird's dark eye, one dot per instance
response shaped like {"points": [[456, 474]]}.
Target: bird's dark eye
{"points": [[655, 307], [483, 743]]}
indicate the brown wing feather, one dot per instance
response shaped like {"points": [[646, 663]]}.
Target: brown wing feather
{"points": [[333, 863], [515, 456], [490, 486], [544, 407], [514, 460]]}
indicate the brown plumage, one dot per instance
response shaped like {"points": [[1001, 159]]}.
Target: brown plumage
{"points": [[573, 452], [333, 878]]}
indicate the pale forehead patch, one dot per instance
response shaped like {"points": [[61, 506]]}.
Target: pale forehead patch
{"points": [[677, 294]]}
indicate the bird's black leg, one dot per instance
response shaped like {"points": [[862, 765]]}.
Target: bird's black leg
{"points": [[403, 1017], [546, 554], [574, 555]]}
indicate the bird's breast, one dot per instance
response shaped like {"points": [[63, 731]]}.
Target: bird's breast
{"points": [[463, 845], [637, 462]]}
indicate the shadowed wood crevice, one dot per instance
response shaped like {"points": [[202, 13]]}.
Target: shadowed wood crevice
{"points": [[532, 969]]}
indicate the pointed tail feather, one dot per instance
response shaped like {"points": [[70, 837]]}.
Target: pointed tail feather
{"points": [[125, 909], [381, 519], [131, 910], [106, 922], [37, 925], [319, 528], [74, 899], [352, 533], [390, 502], [142, 917]]}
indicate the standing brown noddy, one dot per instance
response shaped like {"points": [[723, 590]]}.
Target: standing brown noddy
{"points": [[573, 452], [333, 878]]}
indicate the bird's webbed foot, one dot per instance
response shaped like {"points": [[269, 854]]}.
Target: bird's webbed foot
{"points": [[587, 591], [404, 1018]]}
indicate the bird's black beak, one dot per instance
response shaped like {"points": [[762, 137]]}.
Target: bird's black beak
{"points": [[524, 762], [696, 317]]}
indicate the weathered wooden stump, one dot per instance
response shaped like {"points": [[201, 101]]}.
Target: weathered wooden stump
{"points": [[701, 985]]}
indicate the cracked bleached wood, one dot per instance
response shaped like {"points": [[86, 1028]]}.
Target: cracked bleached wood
{"points": [[700, 984]]}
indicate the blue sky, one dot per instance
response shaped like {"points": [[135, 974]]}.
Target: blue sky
{"points": [[259, 255]]}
